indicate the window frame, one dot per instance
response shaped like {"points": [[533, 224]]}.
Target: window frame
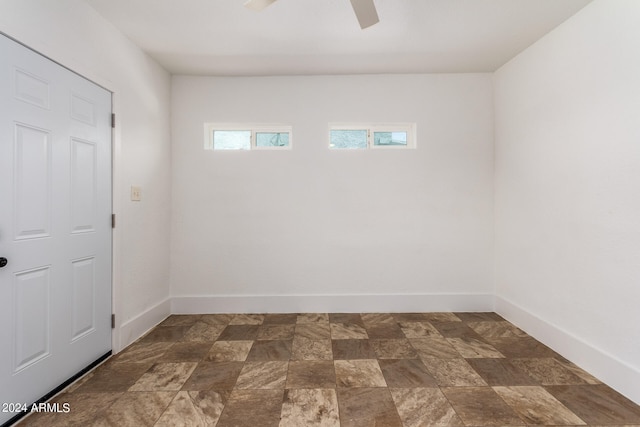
{"points": [[371, 128], [254, 128]]}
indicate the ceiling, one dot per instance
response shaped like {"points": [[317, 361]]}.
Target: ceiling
{"points": [[301, 37]]}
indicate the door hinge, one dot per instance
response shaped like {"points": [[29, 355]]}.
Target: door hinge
{"points": [[113, 321], [113, 220], [113, 120]]}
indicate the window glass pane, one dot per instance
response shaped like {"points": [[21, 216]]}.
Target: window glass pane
{"points": [[348, 139], [390, 138], [231, 139], [272, 139]]}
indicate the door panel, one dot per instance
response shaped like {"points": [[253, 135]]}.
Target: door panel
{"points": [[31, 317], [31, 89], [84, 282], [55, 224], [84, 183], [32, 177]]}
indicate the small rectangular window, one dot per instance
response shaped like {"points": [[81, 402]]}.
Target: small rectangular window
{"points": [[363, 136], [348, 138], [246, 137], [389, 138], [231, 139], [272, 139]]}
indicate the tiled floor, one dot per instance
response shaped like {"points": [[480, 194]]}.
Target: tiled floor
{"points": [[294, 370]]}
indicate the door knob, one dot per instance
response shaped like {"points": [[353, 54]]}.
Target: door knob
{"points": [[3, 262]]}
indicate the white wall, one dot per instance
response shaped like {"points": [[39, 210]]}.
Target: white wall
{"points": [[390, 225], [567, 182], [73, 34]]}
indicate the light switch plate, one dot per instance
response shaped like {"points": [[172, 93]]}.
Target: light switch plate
{"points": [[136, 194]]}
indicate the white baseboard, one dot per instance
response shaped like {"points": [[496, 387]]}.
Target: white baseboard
{"points": [[381, 303], [606, 367], [134, 328]]}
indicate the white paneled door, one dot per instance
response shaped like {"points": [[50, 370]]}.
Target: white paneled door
{"points": [[55, 224]]}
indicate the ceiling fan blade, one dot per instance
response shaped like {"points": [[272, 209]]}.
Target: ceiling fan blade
{"points": [[258, 5], [365, 12]]}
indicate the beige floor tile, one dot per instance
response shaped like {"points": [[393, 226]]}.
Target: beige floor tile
{"points": [[252, 408], [548, 371], [537, 406], [502, 329], [216, 319], [406, 373], [247, 319], [312, 318], [276, 332], [500, 372], [434, 347], [352, 349], [453, 372], [441, 317], [313, 331], [263, 375], [420, 407], [587, 377], [180, 320], [202, 331], [141, 352], [419, 330], [186, 352], [307, 349], [385, 331], [114, 377], [359, 373], [310, 407], [165, 377], [83, 409], [314, 374], [470, 348], [185, 411], [367, 407], [280, 319], [136, 409], [223, 351], [346, 331], [213, 375], [393, 349], [239, 333], [481, 406], [376, 318], [597, 404], [165, 334], [270, 350]]}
